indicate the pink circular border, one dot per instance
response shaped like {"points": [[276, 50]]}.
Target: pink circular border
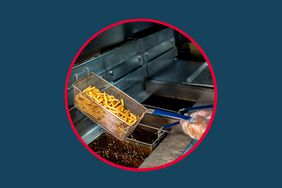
{"points": [[140, 20]]}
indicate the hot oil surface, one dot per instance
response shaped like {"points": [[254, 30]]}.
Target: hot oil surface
{"points": [[120, 152]]}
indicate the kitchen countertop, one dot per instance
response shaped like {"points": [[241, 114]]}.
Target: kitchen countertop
{"points": [[169, 149], [172, 147]]}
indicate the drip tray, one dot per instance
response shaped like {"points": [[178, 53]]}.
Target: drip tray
{"points": [[131, 152]]}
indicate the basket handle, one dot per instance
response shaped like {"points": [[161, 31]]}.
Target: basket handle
{"points": [[86, 69]]}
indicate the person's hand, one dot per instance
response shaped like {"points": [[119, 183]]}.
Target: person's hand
{"points": [[196, 127], [203, 113]]}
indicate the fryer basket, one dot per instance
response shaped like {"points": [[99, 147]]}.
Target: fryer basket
{"points": [[99, 114]]}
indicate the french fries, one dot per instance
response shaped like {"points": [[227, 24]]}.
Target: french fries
{"points": [[116, 106]]}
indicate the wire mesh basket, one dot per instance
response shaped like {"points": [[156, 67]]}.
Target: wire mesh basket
{"points": [[98, 113]]}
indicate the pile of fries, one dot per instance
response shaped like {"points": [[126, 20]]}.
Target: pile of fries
{"points": [[111, 103]]}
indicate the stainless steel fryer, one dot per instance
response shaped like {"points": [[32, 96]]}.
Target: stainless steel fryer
{"points": [[145, 66]]}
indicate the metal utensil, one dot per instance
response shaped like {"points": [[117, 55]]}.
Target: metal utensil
{"points": [[169, 114], [202, 107]]}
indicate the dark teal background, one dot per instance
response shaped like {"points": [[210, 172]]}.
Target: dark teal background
{"points": [[38, 42]]}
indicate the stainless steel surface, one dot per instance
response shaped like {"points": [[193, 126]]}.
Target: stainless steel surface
{"points": [[135, 77], [88, 130], [156, 38], [161, 62], [135, 90], [128, 52], [197, 72], [198, 85], [205, 95], [159, 49], [122, 60], [168, 150], [204, 78], [176, 72], [76, 115], [99, 114], [122, 69]]}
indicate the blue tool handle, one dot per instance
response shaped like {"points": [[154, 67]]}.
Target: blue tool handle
{"points": [[196, 108], [170, 114], [170, 125]]}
